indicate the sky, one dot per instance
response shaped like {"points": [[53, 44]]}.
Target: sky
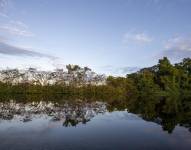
{"points": [[110, 36]]}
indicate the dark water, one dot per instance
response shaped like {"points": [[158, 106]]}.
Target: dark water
{"points": [[94, 125]]}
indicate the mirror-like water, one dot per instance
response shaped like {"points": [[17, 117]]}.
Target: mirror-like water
{"points": [[49, 125]]}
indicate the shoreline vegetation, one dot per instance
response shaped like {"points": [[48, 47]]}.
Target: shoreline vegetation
{"points": [[162, 79], [161, 93]]}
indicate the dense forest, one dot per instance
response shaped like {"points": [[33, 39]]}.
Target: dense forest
{"points": [[161, 93], [162, 79]]}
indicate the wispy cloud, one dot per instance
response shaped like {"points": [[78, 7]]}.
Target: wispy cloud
{"points": [[11, 26], [19, 24], [116, 70], [175, 55], [3, 4], [137, 38], [11, 50], [24, 62], [127, 70], [177, 48], [179, 43], [17, 28], [3, 15], [154, 1]]}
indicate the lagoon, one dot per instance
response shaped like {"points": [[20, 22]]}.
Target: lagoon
{"points": [[49, 125]]}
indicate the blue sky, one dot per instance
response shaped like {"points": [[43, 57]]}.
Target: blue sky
{"points": [[110, 36]]}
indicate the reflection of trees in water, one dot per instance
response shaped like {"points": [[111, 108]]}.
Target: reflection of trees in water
{"points": [[73, 121], [70, 114], [166, 111]]}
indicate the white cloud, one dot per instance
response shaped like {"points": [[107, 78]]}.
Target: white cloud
{"points": [[17, 28], [25, 62], [22, 57], [177, 48], [12, 50], [155, 1], [3, 4], [179, 43], [19, 24], [116, 70], [137, 38], [3, 15], [10, 26]]}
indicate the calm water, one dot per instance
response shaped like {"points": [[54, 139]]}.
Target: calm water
{"points": [[91, 125]]}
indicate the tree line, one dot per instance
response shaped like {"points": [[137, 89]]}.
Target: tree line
{"points": [[161, 93], [162, 79]]}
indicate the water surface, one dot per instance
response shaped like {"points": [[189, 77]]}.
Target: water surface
{"points": [[93, 125]]}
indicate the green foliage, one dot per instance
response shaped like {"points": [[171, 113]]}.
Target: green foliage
{"points": [[160, 93], [164, 78], [161, 79]]}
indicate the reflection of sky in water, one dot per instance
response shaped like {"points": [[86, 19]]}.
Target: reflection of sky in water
{"points": [[105, 130]]}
